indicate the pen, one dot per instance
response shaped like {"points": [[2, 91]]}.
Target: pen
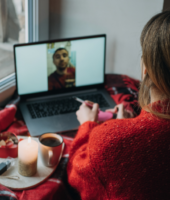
{"points": [[82, 101], [102, 116]]}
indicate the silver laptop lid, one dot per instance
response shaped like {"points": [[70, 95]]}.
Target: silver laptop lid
{"points": [[60, 65]]}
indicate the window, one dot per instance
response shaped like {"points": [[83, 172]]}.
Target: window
{"points": [[20, 21], [12, 31]]}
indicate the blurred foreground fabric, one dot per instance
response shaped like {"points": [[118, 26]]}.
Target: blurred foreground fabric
{"points": [[121, 88]]}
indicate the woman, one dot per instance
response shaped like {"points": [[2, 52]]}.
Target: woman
{"points": [[129, 158]]}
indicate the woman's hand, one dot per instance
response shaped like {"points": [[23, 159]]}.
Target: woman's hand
{"points": [[121, 112], [85, 113]]}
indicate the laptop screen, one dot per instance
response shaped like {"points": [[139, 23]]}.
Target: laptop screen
{"points": [[45, 66]]}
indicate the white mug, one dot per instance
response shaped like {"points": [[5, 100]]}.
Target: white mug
{"points": [[50, 154]]}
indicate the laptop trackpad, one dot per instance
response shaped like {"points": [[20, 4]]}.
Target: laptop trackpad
{"points": [[58, 123]]}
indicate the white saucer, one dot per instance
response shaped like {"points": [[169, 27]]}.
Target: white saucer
{"points": [[42, 174]]}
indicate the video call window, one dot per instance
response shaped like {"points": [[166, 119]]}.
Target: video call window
{"points": [[58, 65], [61, 65]]}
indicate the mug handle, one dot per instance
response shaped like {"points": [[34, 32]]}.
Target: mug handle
{"points": [[50, 155], [61, 152]]}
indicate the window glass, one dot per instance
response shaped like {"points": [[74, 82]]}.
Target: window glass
{"points": [[12, 31]]}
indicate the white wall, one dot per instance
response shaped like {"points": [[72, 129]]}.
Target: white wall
{"points": [[121, 20]]}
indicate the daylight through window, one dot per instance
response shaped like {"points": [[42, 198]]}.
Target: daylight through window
{"points": [[12, 31]]}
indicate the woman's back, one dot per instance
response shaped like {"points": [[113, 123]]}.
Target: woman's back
{"points": [[129, 159]]}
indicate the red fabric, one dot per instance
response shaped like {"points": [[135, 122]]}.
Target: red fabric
{"points": [[124, 89], [7, 193], [124, 159], [56, 187], [7, 116], [19, 128], [121, 88], [51, 189]]}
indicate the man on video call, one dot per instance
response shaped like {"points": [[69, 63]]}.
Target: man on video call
{"points": [[64, 76]]}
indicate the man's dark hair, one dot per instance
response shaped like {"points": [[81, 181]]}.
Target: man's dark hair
{"points": [[59, 49]]}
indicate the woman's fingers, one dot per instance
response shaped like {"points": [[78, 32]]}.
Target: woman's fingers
{"points": [[129, 114], [89, 102], [120, 112], [95, 107], [113, 110], [86, 113], [89, 113], [95, 110]]}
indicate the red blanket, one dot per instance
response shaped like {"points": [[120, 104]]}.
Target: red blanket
{"points": [[121, 88]]}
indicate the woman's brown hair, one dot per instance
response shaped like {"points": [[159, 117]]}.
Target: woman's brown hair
{"points": [[155, 43]]}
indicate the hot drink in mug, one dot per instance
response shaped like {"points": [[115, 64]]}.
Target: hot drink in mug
{"points": [[51, 148]]}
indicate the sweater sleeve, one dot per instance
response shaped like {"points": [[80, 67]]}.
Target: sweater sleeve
{"points": [[121, 159], [82, 136], [81, 175], [98, 155], [130, 157]]}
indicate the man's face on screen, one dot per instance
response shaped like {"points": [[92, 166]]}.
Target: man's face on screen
{"points": [[61, 59]]}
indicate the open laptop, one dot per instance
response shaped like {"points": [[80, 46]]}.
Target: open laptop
{"points": [[49, 74]]}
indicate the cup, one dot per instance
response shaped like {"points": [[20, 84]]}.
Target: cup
{"points": [[51, 147]]}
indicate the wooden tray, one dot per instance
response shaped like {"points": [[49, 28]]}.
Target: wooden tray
{"points": [[42, 174]]}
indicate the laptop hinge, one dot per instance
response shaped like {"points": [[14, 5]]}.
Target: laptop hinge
{"points": [[62, 95]]}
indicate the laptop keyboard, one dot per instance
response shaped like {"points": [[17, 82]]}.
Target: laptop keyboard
{"points": [[62, 106]]}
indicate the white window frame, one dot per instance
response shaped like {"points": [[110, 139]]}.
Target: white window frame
{"points": [[36, 20], [36, 29]]}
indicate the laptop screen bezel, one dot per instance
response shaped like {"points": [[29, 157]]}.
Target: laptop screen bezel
{"points": [[64, 90]]}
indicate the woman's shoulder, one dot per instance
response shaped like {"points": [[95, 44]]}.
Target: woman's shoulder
{"points": [[142, 126], [119, 124], [117, 139]]}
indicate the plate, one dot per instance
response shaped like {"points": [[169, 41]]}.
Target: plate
{"points": [[43, 173]]}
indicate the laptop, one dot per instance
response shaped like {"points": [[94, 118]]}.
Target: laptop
{"points": [[50, 73]]}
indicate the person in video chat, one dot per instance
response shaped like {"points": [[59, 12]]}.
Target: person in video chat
{"points": [[64, 76], [129, 159]]}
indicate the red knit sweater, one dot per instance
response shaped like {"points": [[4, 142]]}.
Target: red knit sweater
{"points": [[123, 159]]}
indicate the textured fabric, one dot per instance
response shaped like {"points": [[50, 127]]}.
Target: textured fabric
{"points": [[7, 116], [122, 89], [54, 187], [123, 159], [7, 194]]}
